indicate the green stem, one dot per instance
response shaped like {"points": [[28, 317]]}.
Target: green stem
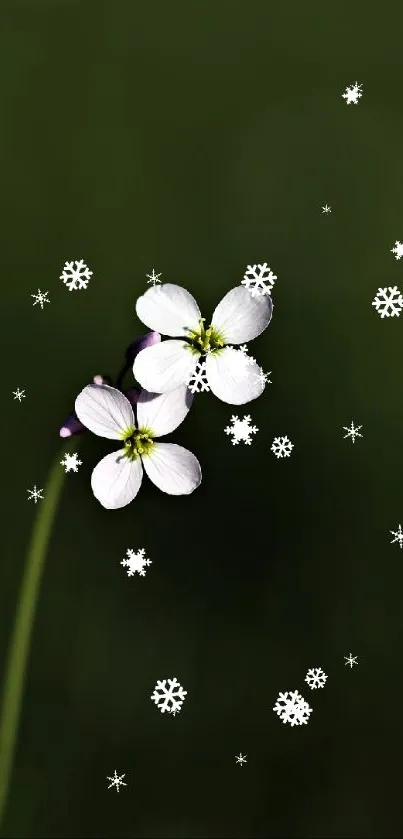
{"points": [[24, 618]]}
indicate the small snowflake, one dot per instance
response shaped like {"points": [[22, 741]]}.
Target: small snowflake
{"points": [[241, 430], [326, 209], [116, 780], [197, 382], [40, 298], [292, 708], [263, 377], [350, 660], [19, 394], [352, 431], [241, 759], [353, 94], [388, 302], [71, 462], [398, 250], [153, 278], [259, 279], [398, 534], [168, 698], [35, 494], [136, 562], [75, 278], [282, 447], [315, 678]]}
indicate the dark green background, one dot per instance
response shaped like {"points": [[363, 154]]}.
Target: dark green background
{"points": [[197, 137]]}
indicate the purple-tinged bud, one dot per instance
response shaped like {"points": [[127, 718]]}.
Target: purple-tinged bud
{"points": [[72, 426], [141, 344], [132, 395], [101, 380]]}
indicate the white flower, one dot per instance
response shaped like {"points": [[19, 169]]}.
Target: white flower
{"points": [[171, 310], [117, 478]]}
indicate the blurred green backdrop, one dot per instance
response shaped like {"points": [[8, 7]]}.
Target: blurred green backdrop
{"points": [[196, 138]]}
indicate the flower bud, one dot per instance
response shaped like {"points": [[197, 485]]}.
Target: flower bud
{"points": [[140, 344]]}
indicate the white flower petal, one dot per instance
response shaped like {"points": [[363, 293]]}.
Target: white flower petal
{"points": [[164, 366], [239, 317], [168, 309], [104, 410], [231, 379], [116, 480], [163, 412], [173, 469]]}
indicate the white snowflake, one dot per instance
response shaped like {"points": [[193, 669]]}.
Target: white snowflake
{"points": [[40, 298], [19, 394], [241, 758], [398, 250], [263, 377], [353, 94], [388, 302], [241, 430], [35, 494], [315, 678], [71, 462], [350, 660], [292, 708], [153, 278], [75, 278], [326, 209], [282, 447], [259, 279], [352, 431], [197, 382], [398, 534], [168, 698], [136, 562], [116, 780]]}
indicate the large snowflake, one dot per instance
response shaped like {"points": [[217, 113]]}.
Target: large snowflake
{"points": [[388, 302], [292, 708], [316, 678], [168, 698], [136, 562], [241, 430], [75, 278], [259, 279]]}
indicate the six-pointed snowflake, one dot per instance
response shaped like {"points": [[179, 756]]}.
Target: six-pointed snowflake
{"points": [[282, 447], [315, 678], [292, 708], [398, 250], [35, 494], [353, 94], [241, 759], [259, 279], [326, 209], [263, 377], [398, 534], [40, 298], [75, 278], [241, 430], [116, 780], [153, 278], [352, 431], [71, 462], [350, 660], [168, 698], [19, 394], [197, 382], [388, 302], [136, 562]]}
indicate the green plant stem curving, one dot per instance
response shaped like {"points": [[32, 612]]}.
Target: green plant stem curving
{"points": [[16, 664]]}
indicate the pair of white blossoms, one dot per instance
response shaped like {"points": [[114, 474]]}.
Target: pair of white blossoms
{"points": [[163, 371]]}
